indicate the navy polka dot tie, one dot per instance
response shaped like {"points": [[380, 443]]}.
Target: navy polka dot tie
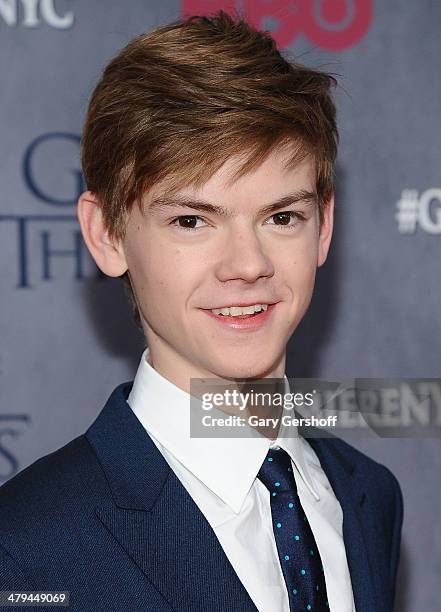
{"points": [[298, 553]]}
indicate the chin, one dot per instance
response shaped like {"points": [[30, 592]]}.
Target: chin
{"points": [[244, 370]]}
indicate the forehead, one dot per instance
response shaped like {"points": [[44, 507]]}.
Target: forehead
{"points": [[269, 181]]}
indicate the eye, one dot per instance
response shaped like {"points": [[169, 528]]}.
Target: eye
{"points": [[282, 219], [186, 222]]}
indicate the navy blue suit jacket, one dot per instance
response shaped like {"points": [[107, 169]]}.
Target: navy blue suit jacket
{"points": [[106, 519]]}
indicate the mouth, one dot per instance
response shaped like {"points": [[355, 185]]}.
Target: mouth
{"points": [[238, 320], [239, 309]]}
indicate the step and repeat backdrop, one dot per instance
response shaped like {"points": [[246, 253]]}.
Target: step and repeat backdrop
{"points": [[67, 337]]}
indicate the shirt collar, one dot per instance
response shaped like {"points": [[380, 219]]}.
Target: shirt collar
{"points": [[227, 466]]}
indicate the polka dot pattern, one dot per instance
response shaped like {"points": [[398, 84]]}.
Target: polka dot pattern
{"points": [[298, 553]]}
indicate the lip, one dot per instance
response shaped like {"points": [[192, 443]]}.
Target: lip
{"points": [[243, 304], [246, 322]]}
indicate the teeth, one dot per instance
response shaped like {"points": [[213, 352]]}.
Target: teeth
{"points": [[235, 311]]}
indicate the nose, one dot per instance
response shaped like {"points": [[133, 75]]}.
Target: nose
{"points": [[243, 257]]}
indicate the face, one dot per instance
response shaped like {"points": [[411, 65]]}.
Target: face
{"points": [[187, 258]]}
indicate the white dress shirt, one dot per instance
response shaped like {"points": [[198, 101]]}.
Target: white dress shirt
{"points": [[220, 475]]}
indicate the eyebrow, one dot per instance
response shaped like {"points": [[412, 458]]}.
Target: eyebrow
{"points": [[164, 202]]}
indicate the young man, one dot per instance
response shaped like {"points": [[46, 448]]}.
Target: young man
{"points": [[209, 161]]}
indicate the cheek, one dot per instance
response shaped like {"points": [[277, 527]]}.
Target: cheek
{"points": [[161, 273], [143, 264], [299, 265]]}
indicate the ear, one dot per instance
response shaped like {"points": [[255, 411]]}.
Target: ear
{"points": [[325, 234], [107, 252]]}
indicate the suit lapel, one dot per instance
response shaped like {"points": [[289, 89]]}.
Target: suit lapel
{"points": [[349, 490], [156, 521]]}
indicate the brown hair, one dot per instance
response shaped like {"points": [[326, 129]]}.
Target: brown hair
{"points": [[176, 103]]}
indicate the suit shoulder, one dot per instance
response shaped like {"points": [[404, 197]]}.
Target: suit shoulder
{"points": [[65, 476], [48, 514], [375, 473]]}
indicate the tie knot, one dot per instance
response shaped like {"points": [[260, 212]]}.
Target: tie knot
{"points": [[276, 472]]}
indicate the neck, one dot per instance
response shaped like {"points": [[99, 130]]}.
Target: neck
{"points": [[179, 370]]}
